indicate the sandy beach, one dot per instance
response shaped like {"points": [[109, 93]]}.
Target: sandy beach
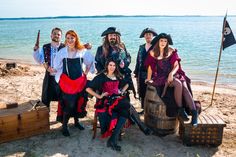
{"points": [[24, 83]]}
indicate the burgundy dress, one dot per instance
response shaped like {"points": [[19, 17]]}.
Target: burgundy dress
{"points": [[160, 71]]}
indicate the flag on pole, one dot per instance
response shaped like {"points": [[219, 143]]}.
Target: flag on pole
{"points": [[228, 39]]}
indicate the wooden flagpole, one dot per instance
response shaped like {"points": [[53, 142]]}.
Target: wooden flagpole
{"points": [[217, 70]]}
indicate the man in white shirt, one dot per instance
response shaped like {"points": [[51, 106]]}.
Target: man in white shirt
{"points": [[45, 56]]}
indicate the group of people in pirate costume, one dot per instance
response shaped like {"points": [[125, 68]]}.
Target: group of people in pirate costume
{"points": [[68, 64]]}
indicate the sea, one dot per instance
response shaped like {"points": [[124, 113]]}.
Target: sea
{"points": [[197, 39]]}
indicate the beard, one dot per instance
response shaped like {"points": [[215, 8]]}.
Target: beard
{"points": [[113, 41], [149, 41], [55, 39]]}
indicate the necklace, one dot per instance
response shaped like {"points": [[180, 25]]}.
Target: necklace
{"points": [[112, 77]]}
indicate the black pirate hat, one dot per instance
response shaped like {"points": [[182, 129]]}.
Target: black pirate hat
{"points": [[148, 30], [111, 30], [162, 35]]}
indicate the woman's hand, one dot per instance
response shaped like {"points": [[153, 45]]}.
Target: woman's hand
{"points": [[121, 92], [170, 78], [86, 70], [148, 81], [102, 95], [51, 70]]}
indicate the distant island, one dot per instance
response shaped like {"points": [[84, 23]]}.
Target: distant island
{"points": [[104, 16]]}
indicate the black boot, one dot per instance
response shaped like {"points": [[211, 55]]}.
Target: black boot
{"points": [[65, 130], [113, 145], [183, 114], [135, 117], [121, 134], [147, 131], [112, 142], [77, 124], [194, 118]]}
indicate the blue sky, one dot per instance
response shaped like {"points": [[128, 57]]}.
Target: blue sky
{"points": [[42, 8]]}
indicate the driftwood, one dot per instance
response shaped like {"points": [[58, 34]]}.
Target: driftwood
{"points": [[11, 105], [10, 65]]}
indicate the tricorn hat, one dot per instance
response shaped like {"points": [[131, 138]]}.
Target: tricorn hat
{"points": [[148, 30], [111, 30], [162, 35]]}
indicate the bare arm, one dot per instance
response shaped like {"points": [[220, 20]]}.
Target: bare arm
{"points": [[173, 72], [87, 70], [175, 68], [89, 61], [123, 90], [93, 93], [176, 64], [149, 74], [149, 70]]}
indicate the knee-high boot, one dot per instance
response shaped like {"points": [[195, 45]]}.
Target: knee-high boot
{"points": [[135, 117], [194, 118], [65, 130], [112, 142], [182, 113]]}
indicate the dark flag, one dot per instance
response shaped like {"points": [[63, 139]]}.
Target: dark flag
{"points": [[228, 36], [227, 39]]}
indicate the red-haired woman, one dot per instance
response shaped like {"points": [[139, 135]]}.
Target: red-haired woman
{"points": [[72, 80]]}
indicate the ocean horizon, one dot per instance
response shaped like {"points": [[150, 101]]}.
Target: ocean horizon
{"points": [[197, 39], [106, 16]]}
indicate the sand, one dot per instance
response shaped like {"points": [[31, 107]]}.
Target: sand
{"points": [[25, 83]]}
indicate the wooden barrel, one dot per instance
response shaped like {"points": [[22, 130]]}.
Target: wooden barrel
{"points": [[155, 114]]}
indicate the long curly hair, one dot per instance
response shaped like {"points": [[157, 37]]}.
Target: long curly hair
{"points": [[116, 72], [106, 45], [156, 49], [78, 44]]}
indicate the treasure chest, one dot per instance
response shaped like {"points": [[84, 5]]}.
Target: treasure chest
{"points": [[23, 120], [208, 132]]}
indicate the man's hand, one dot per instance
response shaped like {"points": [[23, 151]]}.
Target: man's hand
{"points": [[122, 64], [88, 46], [36, 47]]}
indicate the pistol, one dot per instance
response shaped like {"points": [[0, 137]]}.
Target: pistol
{"points": [[37, 40]]}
